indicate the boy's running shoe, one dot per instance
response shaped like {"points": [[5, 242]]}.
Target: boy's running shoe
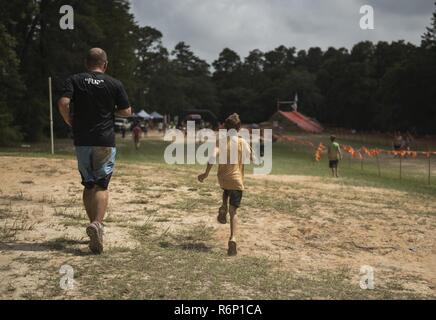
{"points": [[232, 249], [222, 215]]}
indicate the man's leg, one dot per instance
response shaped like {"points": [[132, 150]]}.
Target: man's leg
{"points": [[103, 164], [100, 203], [88, 199], [96, 202]]}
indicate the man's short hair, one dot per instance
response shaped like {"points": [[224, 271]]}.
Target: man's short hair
{"points": [[96, 57], [333, 138], [233, 122]]}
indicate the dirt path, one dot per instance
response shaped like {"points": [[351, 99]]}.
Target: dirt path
{"points": [[304, 225]]}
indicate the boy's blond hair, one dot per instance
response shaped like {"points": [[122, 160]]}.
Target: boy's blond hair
{"points": [[233, 122]]}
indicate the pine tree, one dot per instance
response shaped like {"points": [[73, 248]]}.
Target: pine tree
{"points": [[429, 38]]}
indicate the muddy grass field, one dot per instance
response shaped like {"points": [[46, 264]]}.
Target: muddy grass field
{"points": [[301, 236]]}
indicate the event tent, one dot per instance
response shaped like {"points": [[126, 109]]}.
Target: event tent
{"points": [[144, 115], [156, 116]]}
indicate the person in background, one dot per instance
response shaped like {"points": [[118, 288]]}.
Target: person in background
{"points": [[136, 133], [334, 155], [160, 127]]}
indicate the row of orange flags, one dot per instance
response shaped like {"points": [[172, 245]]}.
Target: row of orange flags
{"points": [[357, 153]]}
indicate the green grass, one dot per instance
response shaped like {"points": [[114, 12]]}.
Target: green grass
{"points": [[288, 159]]}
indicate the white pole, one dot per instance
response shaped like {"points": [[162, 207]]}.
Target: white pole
{"points": [[51, 115]]}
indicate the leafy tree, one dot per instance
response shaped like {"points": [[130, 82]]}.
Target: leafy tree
{"points": [[12, 88], [374, 86]]}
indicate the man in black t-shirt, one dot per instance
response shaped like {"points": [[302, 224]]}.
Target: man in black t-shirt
{"points": [[96, 99]]}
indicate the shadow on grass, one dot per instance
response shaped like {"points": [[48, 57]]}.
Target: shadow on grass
{"points": [[62, 245], [187, 246]]}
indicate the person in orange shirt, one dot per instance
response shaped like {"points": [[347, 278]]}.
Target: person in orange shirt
{"points": [[231, 177]]}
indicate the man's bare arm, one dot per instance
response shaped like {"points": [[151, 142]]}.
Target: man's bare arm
{"points": [[64, 109], [125, 113]]}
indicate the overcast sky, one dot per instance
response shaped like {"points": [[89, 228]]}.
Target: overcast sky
{"points": [[208, 26]]}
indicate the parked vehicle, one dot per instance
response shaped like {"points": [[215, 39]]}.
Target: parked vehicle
{"points": [[122, 122]]}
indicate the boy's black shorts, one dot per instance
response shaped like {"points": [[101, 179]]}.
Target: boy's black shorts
{"points": [[333, 164], [235, 197]]}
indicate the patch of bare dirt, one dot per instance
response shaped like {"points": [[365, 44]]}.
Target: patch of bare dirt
{"points": [[309, 224]]}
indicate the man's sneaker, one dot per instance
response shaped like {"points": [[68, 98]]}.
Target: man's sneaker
{"points": [[222, 215], [95, 233], [233, 251]]}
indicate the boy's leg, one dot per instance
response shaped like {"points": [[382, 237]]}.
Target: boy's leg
{"points": [[235, 202], [232, 251], [222, 212], [225, 199], [233, 223], [331, 168]]}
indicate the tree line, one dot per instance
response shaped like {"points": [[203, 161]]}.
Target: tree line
{"points": [[373, 86]]}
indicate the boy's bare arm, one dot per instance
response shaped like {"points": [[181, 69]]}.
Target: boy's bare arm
{"points": [[209, 167], [204, 176]]}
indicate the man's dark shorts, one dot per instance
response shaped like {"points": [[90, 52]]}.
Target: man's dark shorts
{"points": [[96, 165], [333, 164], [235, 197]]}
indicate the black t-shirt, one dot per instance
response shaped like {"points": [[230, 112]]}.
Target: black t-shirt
{"points": [[95, 97]]}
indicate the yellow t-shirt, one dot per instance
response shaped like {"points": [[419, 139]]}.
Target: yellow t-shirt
{"points": [[334, 151], [231, 176]]}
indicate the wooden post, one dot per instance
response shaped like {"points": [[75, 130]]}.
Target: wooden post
{"points": [[51, 115], [429, 168]]}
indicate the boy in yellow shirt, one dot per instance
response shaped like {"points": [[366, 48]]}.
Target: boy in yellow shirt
{"points": [[334, 154], [231, 179]]}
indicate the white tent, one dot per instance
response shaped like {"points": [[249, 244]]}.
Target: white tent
{"points": [[144, 115], [156, 116]]}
